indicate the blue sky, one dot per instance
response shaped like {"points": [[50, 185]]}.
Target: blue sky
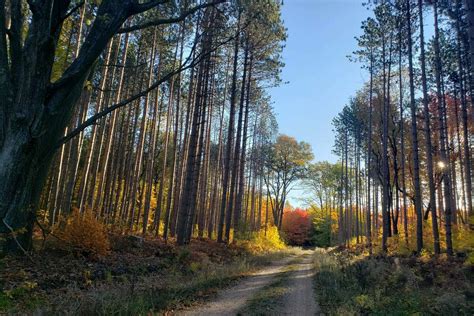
{"points": [[321, 78]]}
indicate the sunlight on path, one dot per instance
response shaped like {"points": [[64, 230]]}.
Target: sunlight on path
{"points": [[231, 300], [300, 300]]}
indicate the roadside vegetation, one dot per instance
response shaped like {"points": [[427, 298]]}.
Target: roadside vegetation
{"points": [[349, 282], [133, 276]]}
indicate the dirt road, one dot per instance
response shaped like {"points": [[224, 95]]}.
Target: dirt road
{"points": [[300, 298], [294, 274]]}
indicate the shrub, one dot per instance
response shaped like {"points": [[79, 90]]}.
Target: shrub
{"points": [[258, 242], [86, 233]]}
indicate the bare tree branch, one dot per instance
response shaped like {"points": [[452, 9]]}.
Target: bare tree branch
{"points": [[142, 7], [73, 9], [179, 18]]}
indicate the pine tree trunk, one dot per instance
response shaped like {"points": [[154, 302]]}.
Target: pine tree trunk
{"points": [[443, 133], [467, 157], [240, 191], [228, 153], [414, 133], [429, 147], [232, 204], [369, 155]]}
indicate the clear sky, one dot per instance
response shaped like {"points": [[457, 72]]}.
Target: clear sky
{"points": [[321, 78]]}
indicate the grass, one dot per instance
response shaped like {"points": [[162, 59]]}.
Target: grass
{"points": [[175, 287], [348, 284], [179, 289], [175, 293]]}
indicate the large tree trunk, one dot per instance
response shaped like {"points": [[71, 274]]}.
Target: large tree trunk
{"points": [[402, 142], [40, 111], [369, 155], [231, 205], [23, 170], [443, 137], [467, 158], [385, 162], [223, 217], [429, 147], [414, 134]]}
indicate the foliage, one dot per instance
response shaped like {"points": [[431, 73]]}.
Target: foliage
{"points": [[323, 182], [321, 231], [263, 242], [463, 240], [23, 292], [289, 157], [86, 233], [286, 162], [297, 227]]}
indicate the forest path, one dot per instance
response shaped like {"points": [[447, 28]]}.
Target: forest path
{"points": [[300, 298], [297, 299]]}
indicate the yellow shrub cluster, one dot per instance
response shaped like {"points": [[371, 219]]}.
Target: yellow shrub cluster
{"points": [[85, 232], [259, 242]]}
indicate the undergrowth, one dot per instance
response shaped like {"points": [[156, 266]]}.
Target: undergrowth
{"points": [[180, 288], [348, 284], [186, 283], [129, 278], [85, 233]]}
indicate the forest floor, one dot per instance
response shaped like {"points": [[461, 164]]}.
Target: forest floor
{"points": [[136, 277]]}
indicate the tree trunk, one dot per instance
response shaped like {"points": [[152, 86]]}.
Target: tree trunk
{"points": [[429, 147], [464, 113], [414, 133], [240, 191], [443, 139], [232, 204], [369, 155], [228, 153]]}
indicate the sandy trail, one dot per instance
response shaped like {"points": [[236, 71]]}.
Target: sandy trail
{"points": [[299, 300], [233, 299]]}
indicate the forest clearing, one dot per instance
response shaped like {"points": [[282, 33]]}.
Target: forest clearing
{"points": [[236, 157]]}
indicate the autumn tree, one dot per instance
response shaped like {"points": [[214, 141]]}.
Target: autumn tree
{"points": [[286, 163]]}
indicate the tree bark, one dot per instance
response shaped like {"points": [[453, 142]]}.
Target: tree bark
{"points": [[429, 147], [414, 133], [228, 153]]}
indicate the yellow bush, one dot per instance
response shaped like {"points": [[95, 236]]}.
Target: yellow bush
{"points": [[85, 232], [259, 242]]}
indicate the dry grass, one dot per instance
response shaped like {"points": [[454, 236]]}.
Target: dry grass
{"points": [[348, 283]]}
